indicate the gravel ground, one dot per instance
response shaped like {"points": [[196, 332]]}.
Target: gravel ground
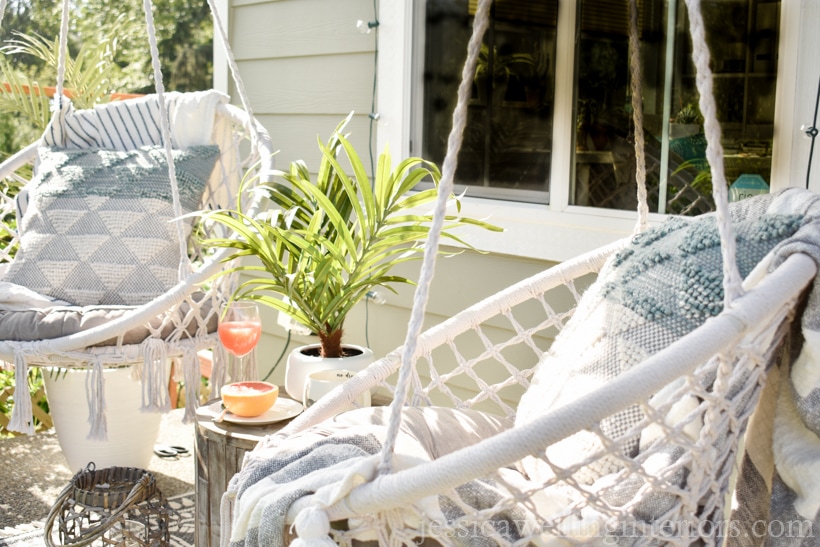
{"points": [[34, 471]]}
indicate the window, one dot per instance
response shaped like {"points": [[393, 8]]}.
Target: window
{"points": [[509, 149], [507, 142], [743, 40]]}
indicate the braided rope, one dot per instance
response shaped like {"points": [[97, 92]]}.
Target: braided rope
{"points": [[445, 190], [714, 151], [240, 85], [637, 116], [62, 56], [185, 267]]}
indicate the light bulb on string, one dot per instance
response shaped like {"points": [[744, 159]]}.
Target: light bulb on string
{"points": [[366, 27]]}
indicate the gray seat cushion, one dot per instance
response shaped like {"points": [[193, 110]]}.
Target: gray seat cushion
{"points": [[58, 321]]}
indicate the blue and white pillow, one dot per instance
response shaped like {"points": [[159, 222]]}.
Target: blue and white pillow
{"points": [[664, 284], [98, 228]]}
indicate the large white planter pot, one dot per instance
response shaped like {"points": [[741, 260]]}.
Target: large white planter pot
{"points": [[131, 433], [301, 364]]}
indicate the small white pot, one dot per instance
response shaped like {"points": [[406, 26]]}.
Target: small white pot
{"points": [[319, 384], [131, 433], [301, 364]]}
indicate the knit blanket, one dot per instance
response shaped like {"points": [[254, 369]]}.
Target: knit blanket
{"points": [[317, 467]]}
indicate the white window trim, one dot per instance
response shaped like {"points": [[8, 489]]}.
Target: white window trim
{"points": [[558, 231]]}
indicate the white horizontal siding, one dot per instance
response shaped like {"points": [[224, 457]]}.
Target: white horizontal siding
{"points": [[295, 136], [299, 28], [315, 85]]}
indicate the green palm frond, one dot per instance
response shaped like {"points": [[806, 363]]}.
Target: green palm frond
{"points": [[23, 97], [336, 236], [89, 76]]}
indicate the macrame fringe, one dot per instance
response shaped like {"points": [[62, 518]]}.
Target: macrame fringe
{"points": [[313, 528], [22, 420], [226, 514], [392, 531], [95, 394], [190, 367], [154, 376]]}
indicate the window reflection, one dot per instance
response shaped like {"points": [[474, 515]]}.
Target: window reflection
{"points": [[742, 36], [508, 136]]}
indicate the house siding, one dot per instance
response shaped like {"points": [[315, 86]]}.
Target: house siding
{"points": [[305, 66]]}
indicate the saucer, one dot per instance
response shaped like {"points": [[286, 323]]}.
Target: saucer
{"points": [[282, 409]]}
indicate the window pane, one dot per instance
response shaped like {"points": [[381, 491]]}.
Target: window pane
{"points": [[742, 37], [506, 149]]}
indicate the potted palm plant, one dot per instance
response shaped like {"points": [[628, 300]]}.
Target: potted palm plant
{"points": [[330, 239]]}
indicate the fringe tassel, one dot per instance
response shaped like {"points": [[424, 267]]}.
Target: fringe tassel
{"points": [[95, 394], [179, 372], [154, 376], [190, 367], [313, 526], [22, 420], [226, 515]]}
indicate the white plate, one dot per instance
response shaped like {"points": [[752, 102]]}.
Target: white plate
{"points": [[282, 409]]}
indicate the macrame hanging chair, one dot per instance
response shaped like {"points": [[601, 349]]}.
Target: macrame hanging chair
{"points": [[137, 290], [625, 431]]}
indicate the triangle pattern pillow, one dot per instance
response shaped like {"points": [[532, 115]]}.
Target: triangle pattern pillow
{"points": [[98, 228]]}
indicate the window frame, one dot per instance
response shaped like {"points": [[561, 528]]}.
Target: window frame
{"points": [[531, 228]]}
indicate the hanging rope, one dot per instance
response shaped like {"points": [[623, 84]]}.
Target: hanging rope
{"points": [[431, 248], [714, 152], [234, 68], [637, 116], [165, 127], [62, 57]]}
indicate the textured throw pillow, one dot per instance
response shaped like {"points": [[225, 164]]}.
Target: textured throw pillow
{"points": [[98, 227], [666, 283]]}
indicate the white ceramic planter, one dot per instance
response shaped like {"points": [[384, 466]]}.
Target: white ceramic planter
{"points": [[300, 365], [131, 433]]}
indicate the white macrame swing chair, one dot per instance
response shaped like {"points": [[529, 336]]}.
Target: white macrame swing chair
{"points": [[623, 432], [179, 319]]}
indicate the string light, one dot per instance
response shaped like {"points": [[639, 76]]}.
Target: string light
{"points": [[366, 27]]}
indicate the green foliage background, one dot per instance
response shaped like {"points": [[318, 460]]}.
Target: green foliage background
{"points": [[184, 30]]}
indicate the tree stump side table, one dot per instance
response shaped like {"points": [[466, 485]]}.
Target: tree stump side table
{"points": [[220, 449]]}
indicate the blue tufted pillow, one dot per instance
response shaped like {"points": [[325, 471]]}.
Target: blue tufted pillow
{"points": [[97, 228], [663, 285]]}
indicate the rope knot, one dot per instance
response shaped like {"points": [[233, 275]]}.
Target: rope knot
{"points": [[312, 526]]}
